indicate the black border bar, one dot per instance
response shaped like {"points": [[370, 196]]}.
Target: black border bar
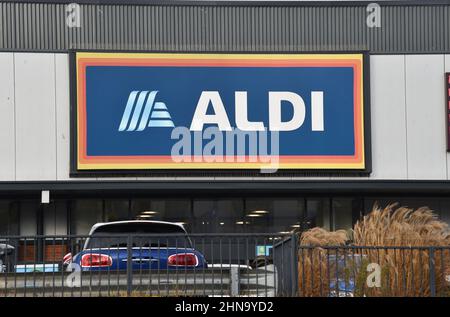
{"points": [[263, 188]]}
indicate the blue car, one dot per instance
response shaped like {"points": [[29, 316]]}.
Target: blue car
{"points": [[339, 285], [154, 245]]}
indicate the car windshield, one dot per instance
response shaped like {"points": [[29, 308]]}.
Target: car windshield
{"points": [[116, 235]]}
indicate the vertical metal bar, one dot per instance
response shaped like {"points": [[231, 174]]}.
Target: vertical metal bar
{"points": [[294, 273], [109, 269], [328, 270], [265, 265], [185, 269], [212, 260], [53, 265], [402, 252], [176, 267], [344, 251], [229, 260], [64, 243], [256, 270], [442, 273], [129, 264], [421, 272], [72, 250], [204, 278], [7, 268], [42, 255], [389, 287], [194, 246], [413, 286], [275, 279], [431, 263], [15, 273], [167, 270], [141, 239], [34, 266], [283, 269], [159, 266], [247, 260], [99, 271], [221, 263], [320, 274], [336, 284], [118, 272], [234, 281], [150, 255], [311, 260]]}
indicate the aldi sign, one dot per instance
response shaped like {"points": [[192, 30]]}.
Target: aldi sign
{"points": [[140, 112]]}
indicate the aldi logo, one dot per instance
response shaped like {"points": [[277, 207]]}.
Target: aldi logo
{"points": [[153, 114], [154, 111]]}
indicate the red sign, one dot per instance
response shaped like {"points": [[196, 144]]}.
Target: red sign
{"points": [[447, 93]]}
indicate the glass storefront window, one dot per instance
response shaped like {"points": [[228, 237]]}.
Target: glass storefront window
{"points": [[219, 215], [28, 218], [318, 213], [274, 214], [342, 213], [171, 210], [55, 218], [9, 218], [444, 212], [84, 214], [117, 210]]}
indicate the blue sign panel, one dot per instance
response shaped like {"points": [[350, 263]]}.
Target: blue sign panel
{"points": [[180, 111]]}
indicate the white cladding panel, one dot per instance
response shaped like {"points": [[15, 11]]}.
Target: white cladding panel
{"points": [[35, 116], [407, 114], [387, 90], [7, 130], [62, 100], [425, 113]]}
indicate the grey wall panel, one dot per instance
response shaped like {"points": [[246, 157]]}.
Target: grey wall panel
{"points": [[7, 135], [62, 110], [426, 142], [35, 116], [387, 89], [404, 29]]}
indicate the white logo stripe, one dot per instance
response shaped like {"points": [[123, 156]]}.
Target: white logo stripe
{"points": [[128, 109], [160, 115], [137, 110], [147, 110], [160, 106]]}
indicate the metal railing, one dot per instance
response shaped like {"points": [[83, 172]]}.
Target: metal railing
{"points": [[215, 265], [141, 265], [374, 271]]}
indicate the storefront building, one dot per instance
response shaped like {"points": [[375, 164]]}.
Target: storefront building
{"points": [[403, 107]]}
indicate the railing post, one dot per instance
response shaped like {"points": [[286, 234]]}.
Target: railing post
{"points": [[294, 265], [431, 264], [234, 281], [129, 264]]}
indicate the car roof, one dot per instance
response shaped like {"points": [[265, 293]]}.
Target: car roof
{"points": [[101, 224]]}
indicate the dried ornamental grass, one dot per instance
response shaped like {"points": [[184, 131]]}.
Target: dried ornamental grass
{"points": [[314, 270], [405, 272]]}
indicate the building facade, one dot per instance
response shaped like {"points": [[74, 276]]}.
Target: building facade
{"points": [[409, 55]]}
